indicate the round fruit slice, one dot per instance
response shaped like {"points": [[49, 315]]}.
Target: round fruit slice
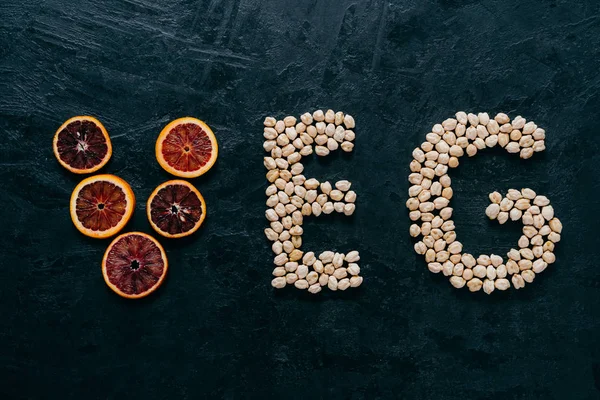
{"points": [[101, 205], [134, 265], [186, 148], [82, 145], [176, 209]]}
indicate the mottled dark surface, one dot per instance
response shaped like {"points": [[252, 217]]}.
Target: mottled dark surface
{"points": [[216, 329]]}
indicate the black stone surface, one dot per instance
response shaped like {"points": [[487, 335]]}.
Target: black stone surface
{"points": [[216, 329]]}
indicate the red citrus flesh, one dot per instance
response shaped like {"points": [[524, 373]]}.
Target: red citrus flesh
{"points": [[100, 205], [176, 209], [187, 147], [134, 265], [82, 145]]}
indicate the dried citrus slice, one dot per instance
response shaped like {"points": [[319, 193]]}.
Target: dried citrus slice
{"points": [[82, 145], [176, 209], [101, 205], [134, 265], [186, 148]]}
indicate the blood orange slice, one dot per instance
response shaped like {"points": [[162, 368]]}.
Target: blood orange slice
{"points": [[176, 209], [134, 265], [186, 148], [101, 205], [82, 145]]}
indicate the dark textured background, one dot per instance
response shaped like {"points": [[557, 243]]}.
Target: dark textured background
{"points": [[216, 328]]}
